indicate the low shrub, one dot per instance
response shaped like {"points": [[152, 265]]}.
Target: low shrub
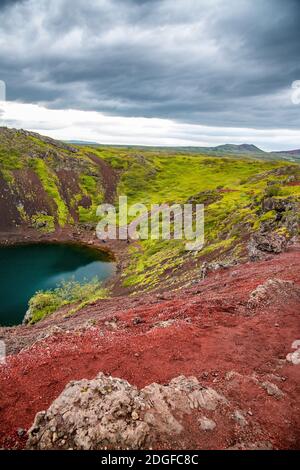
{"points": [[71, 292]]}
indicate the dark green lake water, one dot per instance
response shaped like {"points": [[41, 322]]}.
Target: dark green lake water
{"points": [[27, 269]]}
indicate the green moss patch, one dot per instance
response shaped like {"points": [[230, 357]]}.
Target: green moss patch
{"points": [[68, 293]]}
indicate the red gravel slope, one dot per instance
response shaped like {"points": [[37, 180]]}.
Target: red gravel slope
{"points": [[206, 330]]}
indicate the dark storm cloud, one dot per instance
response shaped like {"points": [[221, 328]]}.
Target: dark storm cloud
{"points": [[8, 3], [201, 61]]}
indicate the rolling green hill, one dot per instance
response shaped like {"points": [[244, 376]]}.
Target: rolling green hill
{"points": [[47, 185]]}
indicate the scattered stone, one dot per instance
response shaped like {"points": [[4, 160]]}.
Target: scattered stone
{"points": [[261, 445], [294, 357], [137, 320], [272, 389], [205, 197], [274, 377], [21, 432], [163, 296], [111, 324], [272, 291], [239, 418], [207, 424], [134, 415], [216, 266], [232, 374], [164, 324], [296, 344], [204, 270]]}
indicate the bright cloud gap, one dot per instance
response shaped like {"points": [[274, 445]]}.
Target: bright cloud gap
{"points": [[102, 128]]}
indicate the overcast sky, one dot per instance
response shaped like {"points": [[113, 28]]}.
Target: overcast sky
{"points": [[174, 72]]}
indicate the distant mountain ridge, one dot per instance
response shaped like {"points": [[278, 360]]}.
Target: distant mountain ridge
{"points": [[242, 150], [295, 153], [251, 150]]}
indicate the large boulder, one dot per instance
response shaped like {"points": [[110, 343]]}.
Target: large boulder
{"points": [[110, 413], [278, 205], [262, 243], [273, 291]]}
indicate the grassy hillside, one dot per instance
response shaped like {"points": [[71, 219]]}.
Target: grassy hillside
{"points": [[47, 184], [231, 189], [228, 150]]}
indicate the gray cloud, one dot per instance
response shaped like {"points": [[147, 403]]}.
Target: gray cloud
{"points": [[6, 3], [200, 61]]}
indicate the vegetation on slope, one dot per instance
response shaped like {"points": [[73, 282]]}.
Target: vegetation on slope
{"points": [[231, 189], [51, 183], [66, 186], [68, 293]]}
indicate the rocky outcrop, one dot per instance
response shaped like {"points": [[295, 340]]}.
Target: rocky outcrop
{"points": [[215, 266], [9, 134], [273, 291], [287, 214], [27, 317], [262, 243], [294, 357], [278, 231], [205, 197], [278, 205], [110, 413]]}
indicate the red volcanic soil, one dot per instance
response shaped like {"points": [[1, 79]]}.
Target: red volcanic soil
{"points": [[206, 330]]}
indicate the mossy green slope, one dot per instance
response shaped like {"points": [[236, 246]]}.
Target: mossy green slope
{"points": [[66, 186], [231, 189], [51, 184]]}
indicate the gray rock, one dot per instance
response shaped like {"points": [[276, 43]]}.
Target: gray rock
{"points": [[137, 320], [294, 357], [260, 445], [207, 424], [278, 205], [262, 243], [27, 317], [110, 413], [240, 418], [273, 291], [21, 432], [272, 389]]}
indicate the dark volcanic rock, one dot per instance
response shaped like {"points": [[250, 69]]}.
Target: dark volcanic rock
{"points": [[262, 243]]}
